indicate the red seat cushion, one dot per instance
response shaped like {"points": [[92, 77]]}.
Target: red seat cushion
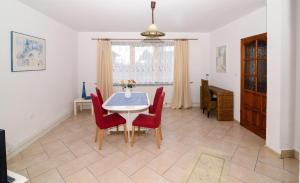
{"points": [[112, 120], [146, 121]]}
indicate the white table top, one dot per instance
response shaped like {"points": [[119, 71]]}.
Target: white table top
{"points": [[126, 108]]}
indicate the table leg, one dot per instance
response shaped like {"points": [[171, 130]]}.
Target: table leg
{"points": [[128, 130], [81, 106], [92, 109], [75, 109]]}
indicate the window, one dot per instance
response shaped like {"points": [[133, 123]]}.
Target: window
{"points": [[146, 63]]}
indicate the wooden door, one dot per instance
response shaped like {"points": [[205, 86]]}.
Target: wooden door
{"points": [[254, 83]]}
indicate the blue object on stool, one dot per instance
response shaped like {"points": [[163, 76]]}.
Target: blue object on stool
{"points": [[83, 95]]}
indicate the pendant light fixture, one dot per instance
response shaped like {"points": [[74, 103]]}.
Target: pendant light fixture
{"points": [[152, 31]]}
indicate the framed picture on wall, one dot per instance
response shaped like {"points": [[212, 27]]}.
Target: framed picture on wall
{"points": [[28, 53], [221, 59]]}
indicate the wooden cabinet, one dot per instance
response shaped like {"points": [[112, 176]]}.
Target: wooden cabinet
{"points": [[254, 83]]}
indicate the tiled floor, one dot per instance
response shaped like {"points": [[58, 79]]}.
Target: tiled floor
{"points": [[68, 154]]}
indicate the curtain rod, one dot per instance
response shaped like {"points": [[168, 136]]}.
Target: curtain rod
{"points": [[134, 39]]}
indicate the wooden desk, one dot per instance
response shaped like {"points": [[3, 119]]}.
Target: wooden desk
{"points": [[224, 103]]}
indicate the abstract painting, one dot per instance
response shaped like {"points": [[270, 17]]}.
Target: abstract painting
{"points": [[221, 59], [28, 53]]}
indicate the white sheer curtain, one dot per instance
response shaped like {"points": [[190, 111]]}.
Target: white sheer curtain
{"points": [[145, 62]]}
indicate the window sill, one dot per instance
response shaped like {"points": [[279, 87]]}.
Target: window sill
{"points": [[148, 84]]}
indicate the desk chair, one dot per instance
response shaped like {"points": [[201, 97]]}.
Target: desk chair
{"points": [[209, 103]]}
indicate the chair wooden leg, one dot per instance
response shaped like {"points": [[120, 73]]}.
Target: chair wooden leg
{"points": [[160, 133], [208, 114], [101, 138], [139, 131], [96, 135], [132, 135], [157, 138], [125, 133], [117, 129]]}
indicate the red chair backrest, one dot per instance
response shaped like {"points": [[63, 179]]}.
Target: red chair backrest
{"points": [[156, 97], [97, 110], [99, 95], [158, 112], [100, 99]]}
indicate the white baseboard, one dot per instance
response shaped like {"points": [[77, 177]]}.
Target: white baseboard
{"points": [[35, 137]]}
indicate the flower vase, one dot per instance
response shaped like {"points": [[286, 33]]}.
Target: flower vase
{"points": [[127, 92], [83, 95]]}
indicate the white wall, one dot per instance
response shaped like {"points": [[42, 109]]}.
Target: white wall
{"points": [[281, 74], [199, 60], [33, 101], [231, 35], [297, 103]]}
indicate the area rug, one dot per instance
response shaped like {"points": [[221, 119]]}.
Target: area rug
{"points": [[208, 167]]}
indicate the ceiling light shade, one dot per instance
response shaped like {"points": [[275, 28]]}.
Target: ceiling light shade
{"points": [[152, 31]]}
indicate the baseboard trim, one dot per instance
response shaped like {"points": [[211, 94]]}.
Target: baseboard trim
{"points": [[289, 154], [35, 137]]}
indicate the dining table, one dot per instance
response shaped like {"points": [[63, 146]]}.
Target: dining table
{"points": [[127, 106]]}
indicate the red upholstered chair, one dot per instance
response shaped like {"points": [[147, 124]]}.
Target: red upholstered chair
{"points": [[150, 121], [101, 100], [152, 107], [108, 121]]}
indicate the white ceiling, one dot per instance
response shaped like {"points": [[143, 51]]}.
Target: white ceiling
{"points": [[135, 15]]}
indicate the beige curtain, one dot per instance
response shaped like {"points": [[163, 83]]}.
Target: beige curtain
{"points": [[181, 90], [104, 68]]}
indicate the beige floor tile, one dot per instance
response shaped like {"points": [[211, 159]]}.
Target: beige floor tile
{"points": [[217, 133], [291, 165], [48, 138], [107, 163], [230, 179], [82, 176], [79, 163], [70, 149], [25, 163], [55, 148], [32, 150], [146, 175], [107, 148], [267, 156], [51, 163], [79, 148], [242, 173], [127, 149], [175, 174], [188, 159], [14, 159], [244, 160], [275, 173], [114, 176], [265, 179], [164, 161], [136, 162], [51, 176]]}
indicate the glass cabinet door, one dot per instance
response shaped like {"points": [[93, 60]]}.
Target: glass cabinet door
{"points": [[262, 49], [262, 66], [250, 51]]}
